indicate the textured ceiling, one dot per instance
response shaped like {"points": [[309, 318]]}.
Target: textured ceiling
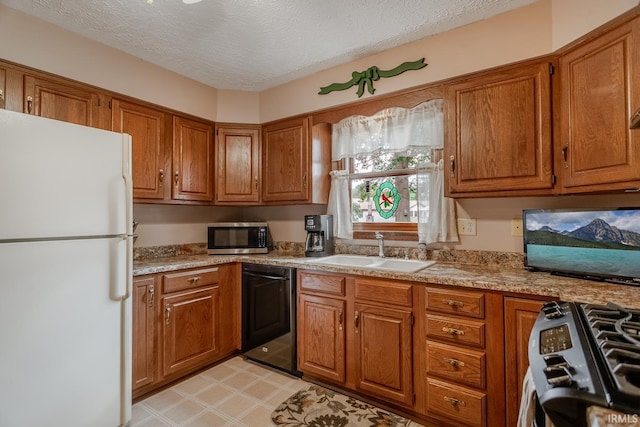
{"points": [[257, 44]]}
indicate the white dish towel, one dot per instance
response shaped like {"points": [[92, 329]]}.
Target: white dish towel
{"points": [[527, 412]]}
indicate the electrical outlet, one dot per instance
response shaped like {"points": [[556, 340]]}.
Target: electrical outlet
{"points": [[467, 226], [516, 227]]}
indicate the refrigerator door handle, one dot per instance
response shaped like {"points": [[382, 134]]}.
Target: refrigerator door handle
{"points": [[128, 184]]}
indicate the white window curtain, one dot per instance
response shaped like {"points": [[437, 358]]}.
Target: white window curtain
{"points": [[340, 204], [395, 130], [437, 218]]}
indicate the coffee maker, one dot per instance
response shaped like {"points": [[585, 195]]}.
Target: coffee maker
{"points": [[319, 235]]}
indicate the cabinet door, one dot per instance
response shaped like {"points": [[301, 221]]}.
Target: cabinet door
{"points": [[286, 160], [520, 315], [238, 165], [65, 102], [321, 337], [383, 339], [143, 332], [190, 329], [600, 92], [151, 163], [192, 160], [498, 132]]}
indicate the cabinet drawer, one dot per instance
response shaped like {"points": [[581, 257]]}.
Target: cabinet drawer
{"points": [[460, 331], [384, 292], [456, 302], [461, 365], [189, 279], [456, 403], [322, 283]]}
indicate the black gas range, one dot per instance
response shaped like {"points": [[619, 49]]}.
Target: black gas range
{"points": [[583, 355]]}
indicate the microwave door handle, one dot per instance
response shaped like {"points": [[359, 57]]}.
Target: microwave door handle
{"points": [[266, 276]]}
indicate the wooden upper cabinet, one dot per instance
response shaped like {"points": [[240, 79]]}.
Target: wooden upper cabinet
{"points": [[286, 159], [498, 132], [151, 161], [192, 160], [596, 150], [238, 164], [144, 329], [65, 101]]}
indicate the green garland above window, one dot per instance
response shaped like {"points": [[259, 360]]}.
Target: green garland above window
{"points": [[371, 75]]}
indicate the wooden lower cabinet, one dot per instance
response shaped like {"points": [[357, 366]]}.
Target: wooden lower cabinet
{"points": [[144, 330], [463, 355], [519, 317], [384, 352], [321, 337], [190, 329], [183, 321], [350, 335]]}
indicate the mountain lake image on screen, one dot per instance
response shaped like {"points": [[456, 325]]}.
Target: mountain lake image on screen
{"points": [[591, 243]]}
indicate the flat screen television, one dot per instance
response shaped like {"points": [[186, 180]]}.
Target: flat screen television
{"points": [[598, 244]]}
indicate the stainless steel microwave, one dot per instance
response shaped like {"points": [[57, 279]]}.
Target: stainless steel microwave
{"points": [[237, 238]]}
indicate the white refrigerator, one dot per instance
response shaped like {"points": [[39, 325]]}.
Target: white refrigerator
{"points": [[65, 274]]}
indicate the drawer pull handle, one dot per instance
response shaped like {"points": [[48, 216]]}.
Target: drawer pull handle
{"points": [[453, 303], [454, 362], [452, 331], [194, 279], [455, 402], [357, 321], [340, 318]]}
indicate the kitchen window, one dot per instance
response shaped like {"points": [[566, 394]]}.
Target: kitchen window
{"points": [[388, 164]]}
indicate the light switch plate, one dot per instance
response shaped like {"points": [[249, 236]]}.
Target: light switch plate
{"points": [[467, 226]]}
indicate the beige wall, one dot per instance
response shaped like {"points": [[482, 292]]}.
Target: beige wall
{"points": [[573, 18], [509, 37], [35, 43]]}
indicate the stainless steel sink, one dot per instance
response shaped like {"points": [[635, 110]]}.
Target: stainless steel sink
{"points": [[375, 263]]}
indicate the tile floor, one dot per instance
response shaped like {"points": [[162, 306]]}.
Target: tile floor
{"points": [[236, 393]]}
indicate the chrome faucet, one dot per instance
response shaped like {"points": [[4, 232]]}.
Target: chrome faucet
{"points": [[380, 238]]}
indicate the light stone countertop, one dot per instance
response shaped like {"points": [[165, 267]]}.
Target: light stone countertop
{"points": [[485, 277]]}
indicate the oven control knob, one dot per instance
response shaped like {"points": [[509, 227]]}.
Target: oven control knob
{"points": [[555, 360], [552, 310], [560, 381]]}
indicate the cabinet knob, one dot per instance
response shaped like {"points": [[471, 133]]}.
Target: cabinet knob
{"points": [[454, 362], [29, 103], [452, 331], [452, 165], [176, 179], [357, 320], [453, 303], [340, 315], [454, 402], [161, 176]]}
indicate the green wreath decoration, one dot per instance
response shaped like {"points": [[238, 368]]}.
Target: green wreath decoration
{"points": [[386, 200]]}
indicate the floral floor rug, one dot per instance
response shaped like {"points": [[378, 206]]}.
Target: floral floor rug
{"points": [[316, 406]]}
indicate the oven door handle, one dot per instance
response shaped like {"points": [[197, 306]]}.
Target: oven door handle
{"points": [[265, 276]]}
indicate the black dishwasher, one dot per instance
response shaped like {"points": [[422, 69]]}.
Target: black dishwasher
{"points": [[269, 316]]}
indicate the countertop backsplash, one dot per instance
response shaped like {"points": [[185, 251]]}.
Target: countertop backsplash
{"points": [[504, 259]]}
